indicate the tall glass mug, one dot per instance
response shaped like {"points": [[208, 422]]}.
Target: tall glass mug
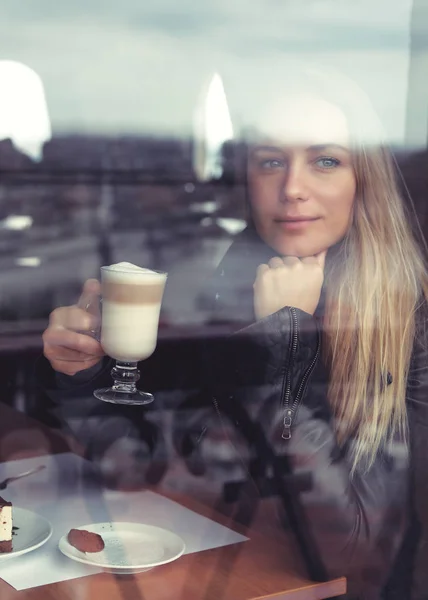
{"points": [[131, 303]]}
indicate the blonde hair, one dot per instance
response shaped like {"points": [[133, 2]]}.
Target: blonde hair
{"points": [[372, 292], [374, 285]]}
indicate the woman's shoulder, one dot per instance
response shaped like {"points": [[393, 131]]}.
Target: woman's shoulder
{"points": [[421, 321], [417, 382]]}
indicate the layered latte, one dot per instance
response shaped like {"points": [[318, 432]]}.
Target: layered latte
{"points": [[132, 298]]}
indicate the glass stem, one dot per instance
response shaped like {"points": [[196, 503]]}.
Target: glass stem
{"points": [[125, 375]]}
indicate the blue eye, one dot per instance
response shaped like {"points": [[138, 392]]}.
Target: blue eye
{"points": [[327, 162], [271, 163]]}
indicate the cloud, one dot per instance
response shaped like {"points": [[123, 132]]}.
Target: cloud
{"points": [[137, 67], [264, 18]]}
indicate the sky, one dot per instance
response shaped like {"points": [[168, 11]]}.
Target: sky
{"points": [[134, 67]]}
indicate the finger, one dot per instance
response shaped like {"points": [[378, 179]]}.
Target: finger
{"points": [[309, 260], [89, 298], [289, 261], [71, 368], [81, 320], [73, 341], [276, 263], [57, 353], [262, 269], [74, 319], [321, 258]]}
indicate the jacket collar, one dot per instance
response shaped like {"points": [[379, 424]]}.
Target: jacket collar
{"points": [[232, 286]]}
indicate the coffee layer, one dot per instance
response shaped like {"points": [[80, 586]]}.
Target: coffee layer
{"points": [[133, 293]]}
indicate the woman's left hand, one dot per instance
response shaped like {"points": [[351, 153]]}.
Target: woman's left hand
{"points": [[289, 281]]}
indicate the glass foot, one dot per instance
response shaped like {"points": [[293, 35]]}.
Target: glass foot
{"points": [[126, 397], [124, 390]]}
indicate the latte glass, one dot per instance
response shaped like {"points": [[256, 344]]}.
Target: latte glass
{"points": [[131, 303]]}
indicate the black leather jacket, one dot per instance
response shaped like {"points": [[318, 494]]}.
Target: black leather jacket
{"points": [[270, 379], [267, 384]]}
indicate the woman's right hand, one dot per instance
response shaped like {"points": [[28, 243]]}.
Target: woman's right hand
{"points": [[67, 343]]}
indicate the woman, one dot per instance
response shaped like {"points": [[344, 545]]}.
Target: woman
{"points": [[330, 378]]}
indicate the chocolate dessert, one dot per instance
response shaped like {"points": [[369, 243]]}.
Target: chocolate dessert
{"points": [[85, 541], [5, 526]]}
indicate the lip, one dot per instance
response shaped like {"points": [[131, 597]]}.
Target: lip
{"points": [[296, 219], [292, 223]]}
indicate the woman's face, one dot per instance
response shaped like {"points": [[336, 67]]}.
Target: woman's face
{"points": [[301, 178]]}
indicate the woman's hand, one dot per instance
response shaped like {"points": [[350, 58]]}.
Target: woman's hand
{"points": [[67, 343], [289, 281]]}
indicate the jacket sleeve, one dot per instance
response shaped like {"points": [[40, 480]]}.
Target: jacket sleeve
{"points": [[124, 443], [274, 384], [417, 401], [127, 442]]}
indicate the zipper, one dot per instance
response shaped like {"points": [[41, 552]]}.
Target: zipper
{"points": [[290, 412]]}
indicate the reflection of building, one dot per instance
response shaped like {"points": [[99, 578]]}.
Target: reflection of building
{"points": [[146, 176], [95, 199]]}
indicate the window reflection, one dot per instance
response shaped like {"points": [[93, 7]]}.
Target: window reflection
{"points": [[24, 117], [121, 139]]}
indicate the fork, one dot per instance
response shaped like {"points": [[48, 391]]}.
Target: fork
{"points": [[5, 482]]}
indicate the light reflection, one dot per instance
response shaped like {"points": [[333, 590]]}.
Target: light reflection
{"points": [[213, 127], [17, 222], [28, 261], [205, 207], [24, 114], [232, 226]]}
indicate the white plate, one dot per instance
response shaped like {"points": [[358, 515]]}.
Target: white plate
{"points": [[33, 531], [129, 547]]}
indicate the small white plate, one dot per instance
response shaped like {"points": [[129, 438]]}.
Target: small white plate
{"points": [[129, 547], [32, 532]]}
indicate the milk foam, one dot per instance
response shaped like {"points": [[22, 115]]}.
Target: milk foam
{"points": [[125, 272], [127, 266]]}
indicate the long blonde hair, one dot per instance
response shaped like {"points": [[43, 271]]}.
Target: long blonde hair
{"points": [[374, 284], [372, 293]]}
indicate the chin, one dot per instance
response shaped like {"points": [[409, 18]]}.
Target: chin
{"points": [[299, 250]]}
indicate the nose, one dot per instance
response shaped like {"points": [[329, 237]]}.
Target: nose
{"points": [[295, 186]]}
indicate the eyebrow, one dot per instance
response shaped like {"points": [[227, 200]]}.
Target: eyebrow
{"points": [[315, 147], [321, 147], [266, 149]]}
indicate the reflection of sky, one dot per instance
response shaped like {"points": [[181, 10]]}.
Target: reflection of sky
{"points": [[137, 67]]}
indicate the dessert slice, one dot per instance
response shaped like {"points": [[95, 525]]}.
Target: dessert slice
{"points": [[85, 541], [5, 526]]}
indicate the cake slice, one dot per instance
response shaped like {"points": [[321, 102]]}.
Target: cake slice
{"points": [[5, 526], [85, 541]]}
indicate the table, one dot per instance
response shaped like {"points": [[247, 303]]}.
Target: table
{"points": [[266, 566]]}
